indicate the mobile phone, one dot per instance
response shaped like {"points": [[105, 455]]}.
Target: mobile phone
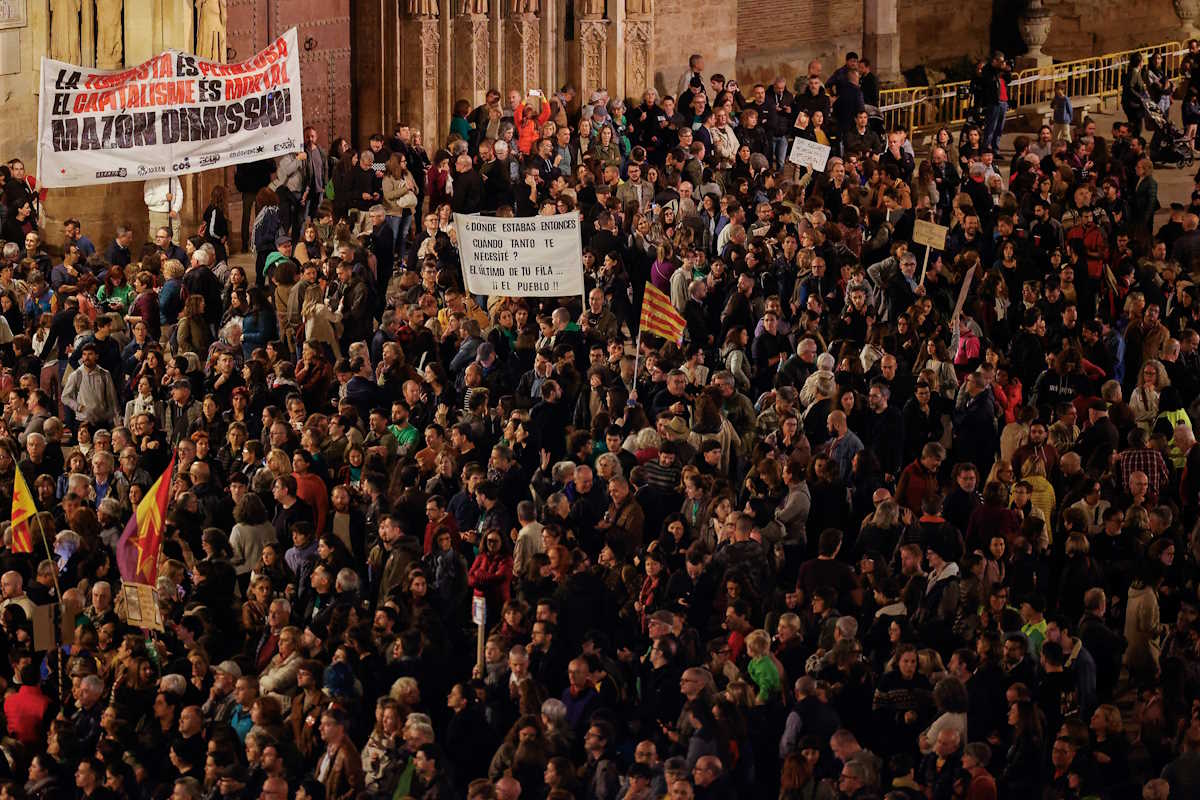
{"points": [[535, 92]]}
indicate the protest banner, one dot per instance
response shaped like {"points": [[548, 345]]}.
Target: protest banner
{"points": [[521, 257], [806, 153], [174, 114]]}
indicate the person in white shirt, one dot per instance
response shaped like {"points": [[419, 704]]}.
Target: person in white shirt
{"points": [[164, 200]]}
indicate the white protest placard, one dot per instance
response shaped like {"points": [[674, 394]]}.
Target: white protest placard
{"points": [[930, 234], [174, 114], [806, 153], [521, 256]]}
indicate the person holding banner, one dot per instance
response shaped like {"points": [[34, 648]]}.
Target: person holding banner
{"points": [[164, 201]]}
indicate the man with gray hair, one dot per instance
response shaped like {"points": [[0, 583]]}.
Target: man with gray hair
{"points": [[86, 719]]}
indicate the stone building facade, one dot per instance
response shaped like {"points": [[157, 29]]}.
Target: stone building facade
{"points": [[367, 64]]}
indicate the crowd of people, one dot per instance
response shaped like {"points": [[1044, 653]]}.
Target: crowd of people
{"points": [[886, 523]]}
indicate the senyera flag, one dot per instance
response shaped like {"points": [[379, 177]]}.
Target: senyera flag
{"points": [[137, 549], [660, 317], [171, 115], [23, 510]]}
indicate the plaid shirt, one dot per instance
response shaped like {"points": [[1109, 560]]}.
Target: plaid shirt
{"points": [[1144, 460]]}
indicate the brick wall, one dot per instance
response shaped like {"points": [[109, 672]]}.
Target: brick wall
{"points": [[936, 32], [683, 27], [1081, 28], [1089, 27], [782, 36]]}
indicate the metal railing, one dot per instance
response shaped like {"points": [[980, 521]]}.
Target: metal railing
{"points": [[924, 107]]}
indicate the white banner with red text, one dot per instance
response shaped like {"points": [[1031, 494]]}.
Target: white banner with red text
{"points": [[174, 114]]}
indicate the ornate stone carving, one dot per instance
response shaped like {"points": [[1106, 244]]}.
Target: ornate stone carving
{"points": [[1035, 29], [211, 19], [522, 7], [639, 36], [523, 52], [64, 31], [593, 35], [110, 34], [431, 43], [1188, 11], [470, 7], [471, 55]]}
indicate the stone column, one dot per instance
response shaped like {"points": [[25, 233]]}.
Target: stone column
{"points": [[422, 44], [591, 42], [523, 47], [639, 47], [471, 52], [881, 38]]}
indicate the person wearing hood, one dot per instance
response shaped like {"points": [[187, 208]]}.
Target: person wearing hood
{"points": [[939, 603]]}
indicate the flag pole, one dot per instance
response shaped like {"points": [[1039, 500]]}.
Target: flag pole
{"points": [[49, 554], [637, 355], [58, 644]]}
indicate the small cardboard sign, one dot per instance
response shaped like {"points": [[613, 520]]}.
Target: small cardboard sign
{"points": [[930, 234]]}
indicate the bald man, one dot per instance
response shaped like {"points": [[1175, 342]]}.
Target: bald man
{"points": [[12, 586], [507, 788]]}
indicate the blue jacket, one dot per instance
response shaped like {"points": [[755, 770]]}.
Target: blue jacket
{"points": [[257, 330], [170, 302]]}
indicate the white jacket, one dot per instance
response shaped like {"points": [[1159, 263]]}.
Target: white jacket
{"points": [[154, 193]]}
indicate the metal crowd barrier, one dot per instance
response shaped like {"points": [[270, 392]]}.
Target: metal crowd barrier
{"points": [[919, 108]]}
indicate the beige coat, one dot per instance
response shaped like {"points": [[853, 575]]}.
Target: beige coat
{"points": [[1142, 633]]}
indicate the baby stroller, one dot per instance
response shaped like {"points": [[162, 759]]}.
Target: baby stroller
{"points": [[1168, 145]]}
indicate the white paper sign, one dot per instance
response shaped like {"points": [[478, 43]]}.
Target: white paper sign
{"points": [[521, 256], [174, 114], [806, 153], [478, 609]]}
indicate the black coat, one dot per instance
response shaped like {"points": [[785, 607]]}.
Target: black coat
{"points": [[468, 193]]}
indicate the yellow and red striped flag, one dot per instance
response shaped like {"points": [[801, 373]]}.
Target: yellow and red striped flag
{"points": [[23, 510], [137, 549], [660, 317]]}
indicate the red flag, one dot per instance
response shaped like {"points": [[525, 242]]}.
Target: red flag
{"points": [[137, 550]]}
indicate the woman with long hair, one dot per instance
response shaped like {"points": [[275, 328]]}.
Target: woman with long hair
{"points": [[903, 698], [934, 356], [214, 226], [1021, 776], [193, 334], [309, 246], [400, 201], [258, 323], [115, 294]]}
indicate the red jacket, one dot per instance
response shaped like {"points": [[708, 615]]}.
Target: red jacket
{"points": [[25, 711], [529, 129], [915, 483], [491, 576]]}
